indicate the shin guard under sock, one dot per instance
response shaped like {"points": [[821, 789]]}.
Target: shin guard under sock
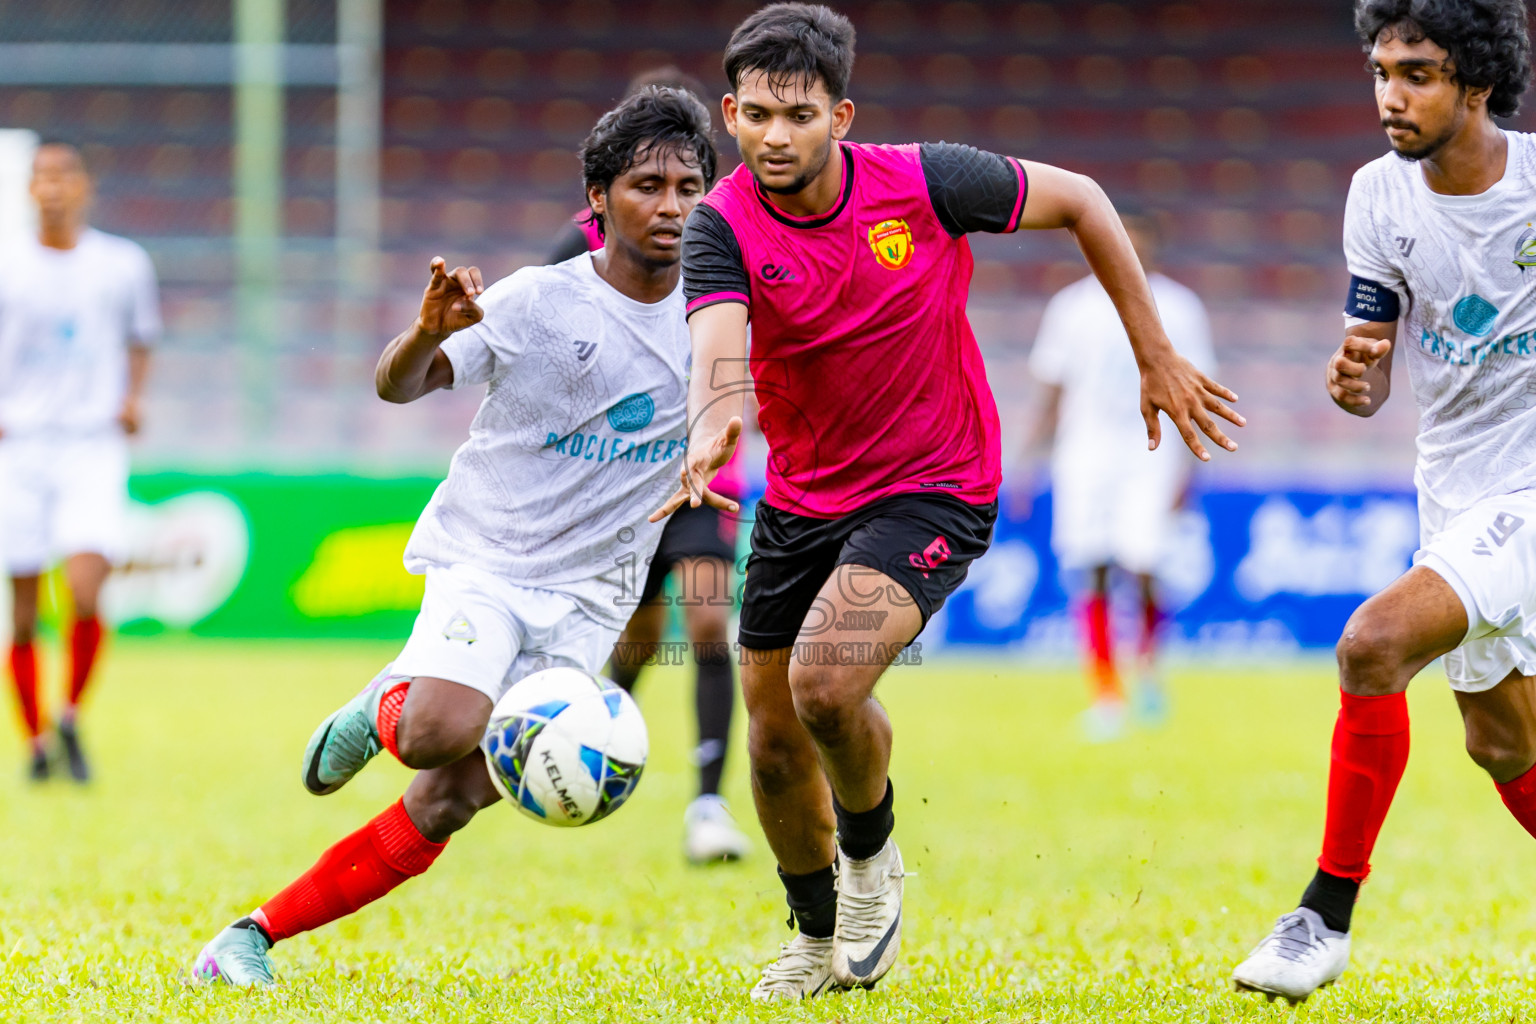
{"points": [[84, 642], [1101, 649], [24, 676], [1370, 751], [812, 901], [350, 875]]}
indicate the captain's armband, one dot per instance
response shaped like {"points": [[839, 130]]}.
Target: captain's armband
{"points": [[1370, 301]]}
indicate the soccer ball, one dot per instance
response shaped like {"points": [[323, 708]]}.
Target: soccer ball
{"points": [[566, 747]]}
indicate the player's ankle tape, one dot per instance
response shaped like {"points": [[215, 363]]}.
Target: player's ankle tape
{"points": [[862, 834]]}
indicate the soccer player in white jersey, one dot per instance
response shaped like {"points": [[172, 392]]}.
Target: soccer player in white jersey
{"points": [[529, 546], [1439, 240], [78, 313], [1113, 502]]}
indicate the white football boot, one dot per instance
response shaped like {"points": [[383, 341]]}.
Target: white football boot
{"points": [[1299, 957], [710, 833], [236, 956], [803, 970], [868, 934]]}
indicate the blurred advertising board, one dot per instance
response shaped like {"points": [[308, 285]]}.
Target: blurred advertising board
{"points": [[256, 555], [1247, 571]]}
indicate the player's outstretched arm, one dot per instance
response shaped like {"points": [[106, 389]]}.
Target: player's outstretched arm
{"points": [[414, 364], [716, 393], [1360, 372], [1169, 382]]}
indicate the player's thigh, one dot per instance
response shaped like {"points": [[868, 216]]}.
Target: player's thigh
{"points": [[91, 516], [1399, 630], [708, 580], [792, 557], [1501, 725], [28, 493], [1487, 557]]}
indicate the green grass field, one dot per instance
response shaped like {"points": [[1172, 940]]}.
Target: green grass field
{"points": [[1054, 881]]}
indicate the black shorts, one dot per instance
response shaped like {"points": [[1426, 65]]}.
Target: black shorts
{"points": [[925, 542], [703, 532]]}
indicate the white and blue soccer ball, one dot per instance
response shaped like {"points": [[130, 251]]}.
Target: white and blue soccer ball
{"points": [[566, 747]]}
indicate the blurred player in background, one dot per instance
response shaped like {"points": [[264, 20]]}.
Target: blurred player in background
{"points": [[883, 455], [528, 548], [700, 545], [1441, 251], [78, 313], [1113, 502]]}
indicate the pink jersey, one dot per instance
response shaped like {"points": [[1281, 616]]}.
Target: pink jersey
{"points": [[869, 378], [588, 226]]}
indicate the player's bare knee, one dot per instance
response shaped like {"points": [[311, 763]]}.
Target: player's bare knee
{"points": [[431, 740], [824, 706], [1372, 654], [1504, 756], [444, 813]]}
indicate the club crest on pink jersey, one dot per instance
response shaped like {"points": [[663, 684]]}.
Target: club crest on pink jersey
{"points": [[892, 242]]}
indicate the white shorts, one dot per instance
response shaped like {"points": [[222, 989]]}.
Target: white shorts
{"points": [[1487, 554], [1118, 510], [62, 497], [485, 633]]}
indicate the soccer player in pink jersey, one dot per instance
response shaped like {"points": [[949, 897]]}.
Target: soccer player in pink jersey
{"points": [[851, 263]]}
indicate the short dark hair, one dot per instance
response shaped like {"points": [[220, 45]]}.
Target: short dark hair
{"points": [[1488, 40], [656, 117], [793, 43], [58, 142]]}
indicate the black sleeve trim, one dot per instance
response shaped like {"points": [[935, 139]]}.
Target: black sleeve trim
{"points": [[713, 267], [972, 189]]}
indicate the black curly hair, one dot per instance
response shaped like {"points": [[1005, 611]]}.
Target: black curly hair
{"points": [[1488, 40], [655, 117]]}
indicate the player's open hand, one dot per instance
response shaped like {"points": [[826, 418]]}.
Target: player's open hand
{"points": [[1349, 365], [1172, 385], [448, 304], [699, 468]]}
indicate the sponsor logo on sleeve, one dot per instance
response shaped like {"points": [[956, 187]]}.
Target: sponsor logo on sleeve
{"points": [[892, 242]]}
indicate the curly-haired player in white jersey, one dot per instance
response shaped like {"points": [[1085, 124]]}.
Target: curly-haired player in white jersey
{"points": [[529, 546], [1441, 246], [78, 314]]}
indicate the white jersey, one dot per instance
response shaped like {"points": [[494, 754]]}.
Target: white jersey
{"points": [[1464, 270], [1082, 348], [576, 443], [67, 317]]}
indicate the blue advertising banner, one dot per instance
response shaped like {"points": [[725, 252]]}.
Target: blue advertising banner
{"points": [[1247, 570]]}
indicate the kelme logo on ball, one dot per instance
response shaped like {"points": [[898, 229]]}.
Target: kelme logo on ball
{"points": [[892, 242], [633, 412]]}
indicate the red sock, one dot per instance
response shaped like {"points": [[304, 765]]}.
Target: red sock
{"points": [[1151, 618], [1101, 649], [1520, 797], [24, 675], [390, 706], [83, 645], [1370, 751], [350, 875]]}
